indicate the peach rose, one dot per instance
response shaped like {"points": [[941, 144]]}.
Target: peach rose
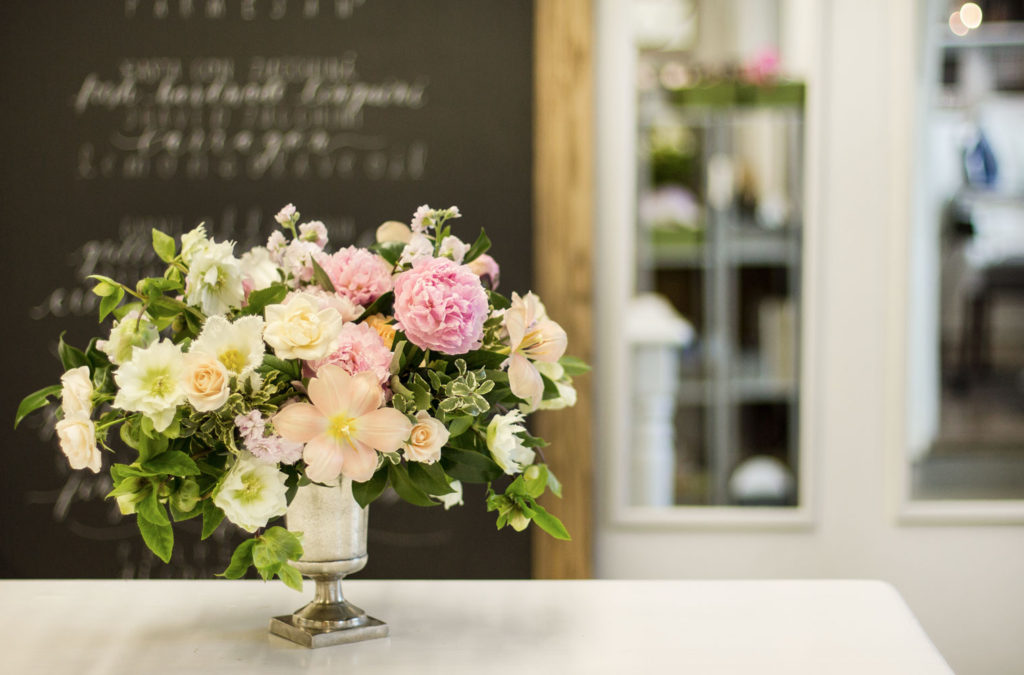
{"points": [[428, 437], [77, 437], [76, 395], [206, 382]]}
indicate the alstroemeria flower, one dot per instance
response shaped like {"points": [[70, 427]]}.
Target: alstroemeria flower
{"points": [[532, 337], [344, 427]]}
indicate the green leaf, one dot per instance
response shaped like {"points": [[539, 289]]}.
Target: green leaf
{"points": [[212, 517], [469, 466], [321, 277], [479, 247], [553, 484], [163, 245], [389, 250], [535, 480], [70, 357], [110, 302], [172, 462], [429, 478], [573, 366], [290, 368], [265, 560], [381, 305], [159, 538], [367, 492], [550, 388], [284, 544], [459, 425], [178, 515], [152, 510], [405, 488], [498, 301], [485, 359], [291, 577], [259, 300], [240, 560], [35, 401], [547, 522]]}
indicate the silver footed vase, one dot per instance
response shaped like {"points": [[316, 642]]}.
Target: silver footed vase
{"points": [[333, 528]]}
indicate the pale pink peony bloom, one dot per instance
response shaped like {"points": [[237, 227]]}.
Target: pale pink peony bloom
{"points": [[532, 337], [358, 274], [359, 349], [441, 306], [486, 267], [344, 426]]}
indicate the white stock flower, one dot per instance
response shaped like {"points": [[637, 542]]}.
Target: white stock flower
{"points": [[238, 346], [314, 231], [420, 246], [299, 329], [453, 498], [454, 248], [134, 329], [214, 282], [77, 436], [206, 382], [259, 268], [287, 215], [193, 242], [76, 393], [506, 447], [152, 383], [252, 493]]}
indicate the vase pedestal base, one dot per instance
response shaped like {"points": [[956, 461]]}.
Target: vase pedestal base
{"points": [[284, 626]]}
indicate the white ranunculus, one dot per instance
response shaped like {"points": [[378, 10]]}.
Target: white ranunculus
{"points": [[506, 447], [453, 498], [259, 268], [299, 329], [206, 382], [76, 393], [152, 383], [252, 493], [426, 440], [134, 329], [238, 345], [214, 282], [77, 436], [193, 242]]}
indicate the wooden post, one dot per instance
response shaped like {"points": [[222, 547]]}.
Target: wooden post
{"points": [[563, 177]]}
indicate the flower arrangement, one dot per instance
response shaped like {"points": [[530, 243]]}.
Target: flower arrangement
{"points": [[236, 380]]}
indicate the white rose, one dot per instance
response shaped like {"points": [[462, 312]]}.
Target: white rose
{"points": [[505, 445], [299, 329], [77, 437], [426, 440], [76, 395], [252, 493], [206, 382]]}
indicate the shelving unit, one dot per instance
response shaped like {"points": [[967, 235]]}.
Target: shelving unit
{"points": [[721, 273]]}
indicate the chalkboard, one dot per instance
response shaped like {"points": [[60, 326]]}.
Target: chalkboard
{"points": [[124, 115]]}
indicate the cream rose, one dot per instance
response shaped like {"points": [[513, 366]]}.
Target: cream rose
{"points": [[206, 382], [299, 329], [428, 437], [76, 395], [77, 437]]}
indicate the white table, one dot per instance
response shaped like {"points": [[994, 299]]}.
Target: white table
{"points": [[565, 627]]}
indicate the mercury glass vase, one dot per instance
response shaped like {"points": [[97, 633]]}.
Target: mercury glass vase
{"points": [[333, 528]]}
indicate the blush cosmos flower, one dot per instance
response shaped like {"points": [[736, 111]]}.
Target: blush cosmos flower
{"points": [[532, 337], [344, 426], [441, 306], [360, 275]]}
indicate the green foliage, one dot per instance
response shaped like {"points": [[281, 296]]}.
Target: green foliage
{"points": [[321, 277], [270, 554], [258, 300], [212, 517], [406, 488], [389, 250], [573, 366], [469, 466], [35, 401], [518, 505], [479, 247], [382, 305], [163, 245], [367, 492]]}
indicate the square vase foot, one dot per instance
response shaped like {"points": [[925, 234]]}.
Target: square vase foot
{"points": [[283, 626]]}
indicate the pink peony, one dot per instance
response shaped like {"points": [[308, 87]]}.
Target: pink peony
{"points": [[441, 306], [359, 349], [357, 274]]}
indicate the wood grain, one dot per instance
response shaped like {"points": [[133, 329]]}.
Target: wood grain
{"points": [[563, 175]]}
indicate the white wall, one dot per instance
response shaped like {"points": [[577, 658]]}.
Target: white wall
{"points": [[966, 584]]}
